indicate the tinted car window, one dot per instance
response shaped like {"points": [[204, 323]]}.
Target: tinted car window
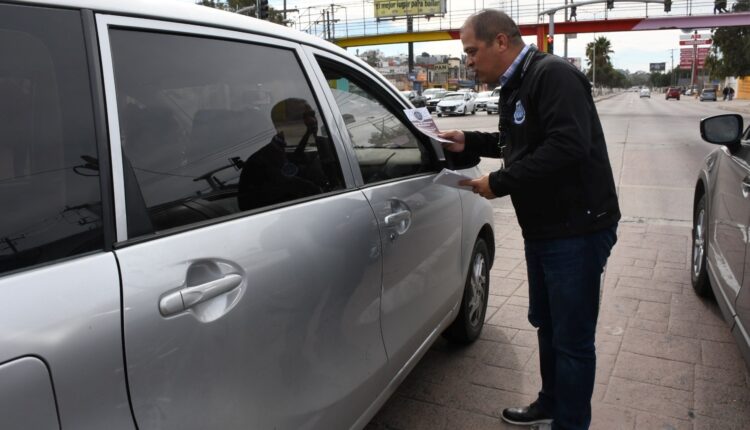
{"points": [[49, 179], [212, 127], [384, 145]]}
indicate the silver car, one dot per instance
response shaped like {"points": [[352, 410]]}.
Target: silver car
{"points": [[720, 259], [215, 222]]}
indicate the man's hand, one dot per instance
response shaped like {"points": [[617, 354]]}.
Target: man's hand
{"points": [[480, 186], [457, 137]]}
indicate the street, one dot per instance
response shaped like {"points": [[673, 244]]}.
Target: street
{"points": [[665, 358]]}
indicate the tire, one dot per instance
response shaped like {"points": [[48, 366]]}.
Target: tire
{"points": [[470, 320], [440, 115], [698, 272], [474, 111]]}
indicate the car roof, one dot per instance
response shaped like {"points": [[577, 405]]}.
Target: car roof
{"points": [[190, 13]]}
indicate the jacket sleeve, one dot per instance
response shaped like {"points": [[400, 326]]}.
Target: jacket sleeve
{"points": [[482, 143], [564, 110]]}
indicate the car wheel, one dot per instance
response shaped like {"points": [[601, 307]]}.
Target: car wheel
{"points": [[467, 326], [698, 272], [474, 111], [439, 115]]}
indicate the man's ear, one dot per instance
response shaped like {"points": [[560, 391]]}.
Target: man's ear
{"points": [[502, 41]]}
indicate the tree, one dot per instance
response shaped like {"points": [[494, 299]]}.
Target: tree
{"points": [[371, 57], [274, 15], [597, 57], [729, 52]]}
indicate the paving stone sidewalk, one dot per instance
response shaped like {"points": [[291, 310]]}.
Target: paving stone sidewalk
{"points": [[666, 359]]}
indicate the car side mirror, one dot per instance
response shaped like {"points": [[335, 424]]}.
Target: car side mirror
{"points": [[722, 130]]}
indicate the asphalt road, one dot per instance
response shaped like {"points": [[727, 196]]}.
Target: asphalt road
{"points": [[654, 146]]}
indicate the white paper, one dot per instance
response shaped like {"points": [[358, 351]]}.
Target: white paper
{"points": [[422, 119], [451, 178]]}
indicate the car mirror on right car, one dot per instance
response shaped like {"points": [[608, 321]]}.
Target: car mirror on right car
{"points": [[722, 129]]}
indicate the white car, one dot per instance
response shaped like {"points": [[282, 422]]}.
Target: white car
{"points": [[645, 92], [482, 99], [458, 103]]}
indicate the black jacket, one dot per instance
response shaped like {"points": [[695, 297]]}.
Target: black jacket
{"points": [[557, 170]]}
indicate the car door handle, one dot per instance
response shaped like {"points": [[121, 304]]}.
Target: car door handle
{"points": [[186, 298], [396, 218], [746, 186]]}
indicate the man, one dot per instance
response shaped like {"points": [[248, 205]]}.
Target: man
{"points": [[558, 175]]}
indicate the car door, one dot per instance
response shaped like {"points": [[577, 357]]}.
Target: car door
{"points": [[730, 213], [741, 328], [419, 221], [60, 336], [250, 265]]}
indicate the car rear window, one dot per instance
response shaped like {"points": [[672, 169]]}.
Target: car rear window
{"points": [[49, 169]]}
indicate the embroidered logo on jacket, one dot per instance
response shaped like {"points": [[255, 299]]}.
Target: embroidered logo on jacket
{"points": [[519, 116]]}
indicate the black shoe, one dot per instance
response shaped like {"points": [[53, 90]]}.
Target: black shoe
{"points": [[526, 416]]}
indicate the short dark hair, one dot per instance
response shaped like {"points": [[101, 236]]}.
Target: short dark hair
{"points": [[488, 23]]}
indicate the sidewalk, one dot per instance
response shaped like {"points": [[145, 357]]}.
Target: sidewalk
{"points": [[739, 106], [666, 359]]}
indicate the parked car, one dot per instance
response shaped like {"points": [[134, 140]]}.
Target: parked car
{"points": [[196, 239], [645, 92], [434, 100], [720, 259], [708, 94], [431, 93], [482, 99], [457, 103], [492, 105], [414, 98], [673, 93]]}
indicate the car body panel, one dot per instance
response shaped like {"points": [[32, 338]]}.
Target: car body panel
{"points": [[673, 93], [727, 257], [645, 92], [68, 315]]}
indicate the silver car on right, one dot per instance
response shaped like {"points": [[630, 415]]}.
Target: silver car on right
{"points": [[721, 222]]}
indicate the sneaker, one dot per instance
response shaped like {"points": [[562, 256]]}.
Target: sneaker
{"points": [[526, 416]]}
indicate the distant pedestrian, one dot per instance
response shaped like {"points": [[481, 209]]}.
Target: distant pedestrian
{"points": [[725, 91], [731, 93], [720, 6]]}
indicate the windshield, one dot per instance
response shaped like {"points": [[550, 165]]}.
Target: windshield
{"points": [[485, 94], [433, 91], [454, 97]]}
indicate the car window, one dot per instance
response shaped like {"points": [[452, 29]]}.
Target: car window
{"points": [[208, 130], [385, 147], [49, 176]]}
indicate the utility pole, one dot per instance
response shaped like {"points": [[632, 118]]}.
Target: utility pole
{"points": [[695, 56], [409, 29], [333, 18], [671, 79]]}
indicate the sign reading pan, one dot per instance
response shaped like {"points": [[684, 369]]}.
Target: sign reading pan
{"points": [[396, 8]]}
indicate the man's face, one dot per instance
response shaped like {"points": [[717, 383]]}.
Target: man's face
{"points": [[485, 59]]}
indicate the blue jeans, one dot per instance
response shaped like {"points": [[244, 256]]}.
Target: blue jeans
{"points": [[564, 286]]}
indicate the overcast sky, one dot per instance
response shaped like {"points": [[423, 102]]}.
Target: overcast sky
{"points": [[632, 50]]}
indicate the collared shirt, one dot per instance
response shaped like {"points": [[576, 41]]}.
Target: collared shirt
{"points": [[512, 69]]}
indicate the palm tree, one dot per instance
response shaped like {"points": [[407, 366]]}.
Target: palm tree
{"points": [[597, 57]]}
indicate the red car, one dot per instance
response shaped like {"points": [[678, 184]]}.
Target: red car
{"points": [[673, 93]]}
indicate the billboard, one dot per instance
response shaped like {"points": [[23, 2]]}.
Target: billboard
{"points": [[695, 39], [396, 8], [686, 57], [657, 67]]}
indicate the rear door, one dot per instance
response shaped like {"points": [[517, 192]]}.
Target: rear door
{"points": [[420, 222], [250, 266]]}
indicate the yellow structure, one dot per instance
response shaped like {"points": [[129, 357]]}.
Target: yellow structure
{"points": [[743, 88]]}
